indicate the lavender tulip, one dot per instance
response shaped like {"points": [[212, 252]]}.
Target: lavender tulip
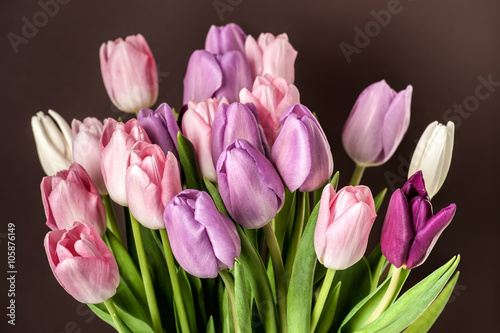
{"points": [[237, 121], [410, 229], [82, 263], [161, 127], [377, 124], [224, 39], [301, 151], [217, 76], [249, 185], [203, 240]]}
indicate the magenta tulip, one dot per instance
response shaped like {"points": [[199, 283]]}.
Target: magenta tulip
{"points": [[410, 229], [301, 153], [203, 240], [87, 149], [129, 73], [224, 39], [152, 180], [344, 222], [377, 124], [82, 263], [71, 195], [271, 97], [117, 141]]}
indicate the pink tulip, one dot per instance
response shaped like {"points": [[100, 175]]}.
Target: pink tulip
{"points": [[197, 127], [271, 96], [129, 73], [71, 195], [82, 263], [344, 223], [271, 55], [117, 141], [87, 149], [152, 180]]}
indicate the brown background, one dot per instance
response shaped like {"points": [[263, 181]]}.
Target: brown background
{"points": [[440, 47]]}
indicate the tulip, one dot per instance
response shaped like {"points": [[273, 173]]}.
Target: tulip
{"points": [[197, 127], [129, 73], [249, 185], [237, 121], [217, 76], [271, 55], [53, 142], [117, 141], [203, 240], [71, 195], [433, 155], [410, 229], [152, 180], [271, 97], [161, 127], [377, 124], [87, 149], [344, 222], [82, 263], [224, 39], [301, 152]]}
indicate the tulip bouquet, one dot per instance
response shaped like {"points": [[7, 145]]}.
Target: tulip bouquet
{"points": [[234, 221]]}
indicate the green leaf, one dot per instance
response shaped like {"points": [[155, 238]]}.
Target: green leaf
{"points": [[189, 163], [242, 299], [377, 263], [214, 193], [285, 217], [335, 180], [326, 318], [199, 299], [211, 325], [427, 319], [187, 297], [379, 199]]}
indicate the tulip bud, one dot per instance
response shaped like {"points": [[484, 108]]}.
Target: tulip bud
{"points": [[161, 127], [301, 152], [410, 229], [249, 185], [343, 226], [71, 195], [129, 73], [224, 39], [117, 141], [152, 180], [271, 97], [237, 121], [203, 240], [82, 263], [377, 124], [217, 76], [53, 142], [271, 55], [87, 149], [433, 155]]}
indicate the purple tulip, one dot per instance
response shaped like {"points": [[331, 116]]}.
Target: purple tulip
{"points": [[410, 229], [301, 151], [237, 121], [224, 39], [377, 124], [217, 76], [161, 127], [203, 240], [82, 263], [249, 185]]}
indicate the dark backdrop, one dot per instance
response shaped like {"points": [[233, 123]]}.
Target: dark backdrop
{"points": [[442, 48]]}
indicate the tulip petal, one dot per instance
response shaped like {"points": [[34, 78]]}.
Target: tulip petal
{"points": [[236, 75], [203, 76], [323, 221], [253, 53]]}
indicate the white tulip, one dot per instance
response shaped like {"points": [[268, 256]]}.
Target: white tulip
{"points": [[53, 142], [433, 155]]}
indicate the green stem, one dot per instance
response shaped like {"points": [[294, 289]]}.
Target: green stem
{"points": [[389, 294], [172, 271], [357, 175], [229, 283], [279, 274], [297, 233], [111, 217], [323, 294], [146, 276], [114, 314]]}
